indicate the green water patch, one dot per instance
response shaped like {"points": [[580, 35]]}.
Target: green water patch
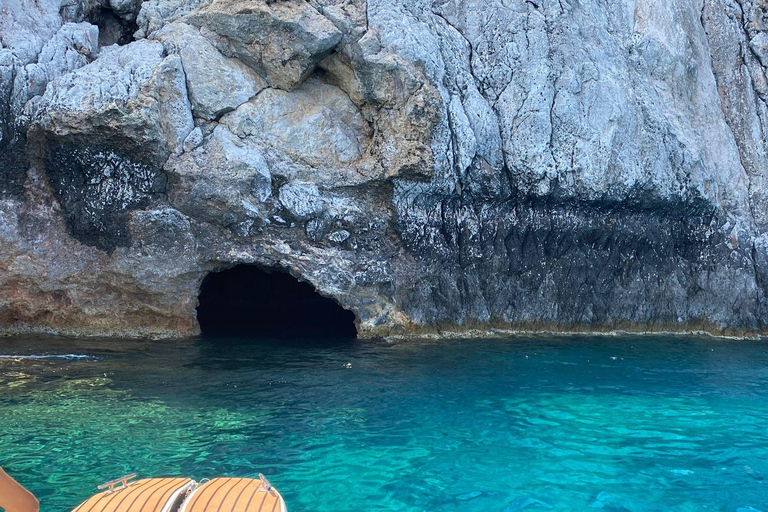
{"points": [[638, 424]]}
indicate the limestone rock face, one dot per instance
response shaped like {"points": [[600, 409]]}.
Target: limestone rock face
{"points": [[102, 133], [433, 165], [242, 181], [317, 124], [72, 47], [215, 83], [302, 200], [154, 14], [131, 92], [25, 26], [283, 41]]}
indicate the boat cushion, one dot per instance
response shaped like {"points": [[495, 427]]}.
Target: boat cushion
{"points": [[234, 495], [147, 495]]}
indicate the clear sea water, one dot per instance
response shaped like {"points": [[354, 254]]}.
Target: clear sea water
{"points": [[537, 423]]}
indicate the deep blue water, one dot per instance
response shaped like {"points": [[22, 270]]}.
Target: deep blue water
{"points": [[642, 423]]}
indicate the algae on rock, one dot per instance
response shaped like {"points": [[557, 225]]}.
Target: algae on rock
{"points": [[434, 166]]}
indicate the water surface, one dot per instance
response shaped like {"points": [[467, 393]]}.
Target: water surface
{"points": [[643, 424]]}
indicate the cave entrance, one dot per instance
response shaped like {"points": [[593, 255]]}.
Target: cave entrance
{"points": [[249, 300]]}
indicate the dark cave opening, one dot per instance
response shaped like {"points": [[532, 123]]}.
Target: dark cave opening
{"points": [[112, 28], [249, 300]]}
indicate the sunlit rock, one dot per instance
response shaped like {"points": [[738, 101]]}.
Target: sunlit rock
{"points": [[283, 41], [432, 166], [316, 123], [216, 84]]}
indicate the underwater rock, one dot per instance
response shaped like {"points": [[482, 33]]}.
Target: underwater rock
{"points": [[526, 501], [603, 496]]}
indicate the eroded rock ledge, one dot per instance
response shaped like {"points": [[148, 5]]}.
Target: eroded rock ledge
{"points": [[433, 166]]}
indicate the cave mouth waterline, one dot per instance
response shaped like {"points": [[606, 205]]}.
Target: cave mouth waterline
{"points": [[249, 300]]}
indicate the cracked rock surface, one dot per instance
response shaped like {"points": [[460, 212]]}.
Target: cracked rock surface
{"points": [[435, 166]]}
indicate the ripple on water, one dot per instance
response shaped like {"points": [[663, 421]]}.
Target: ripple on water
{"points": [[579, 424]]}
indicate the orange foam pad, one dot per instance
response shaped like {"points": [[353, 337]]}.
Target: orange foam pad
{"points": [[147, 495], [233, 495]]}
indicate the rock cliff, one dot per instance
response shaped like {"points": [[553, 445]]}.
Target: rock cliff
{"points": [[432, 165]]}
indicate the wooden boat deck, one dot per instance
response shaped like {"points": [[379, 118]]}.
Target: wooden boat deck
{"points": [[148, 495], [234, 495]]}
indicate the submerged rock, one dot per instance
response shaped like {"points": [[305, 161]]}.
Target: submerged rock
{"points": [[523, 502], [603, 496]]}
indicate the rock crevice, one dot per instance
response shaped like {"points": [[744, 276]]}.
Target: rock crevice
{"points": [[431, 165]]}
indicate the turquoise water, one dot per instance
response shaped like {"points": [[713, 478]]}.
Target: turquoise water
{"points": [[643, 424]]}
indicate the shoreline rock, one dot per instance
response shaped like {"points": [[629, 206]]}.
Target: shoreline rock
{"points": [[434, 167]]}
